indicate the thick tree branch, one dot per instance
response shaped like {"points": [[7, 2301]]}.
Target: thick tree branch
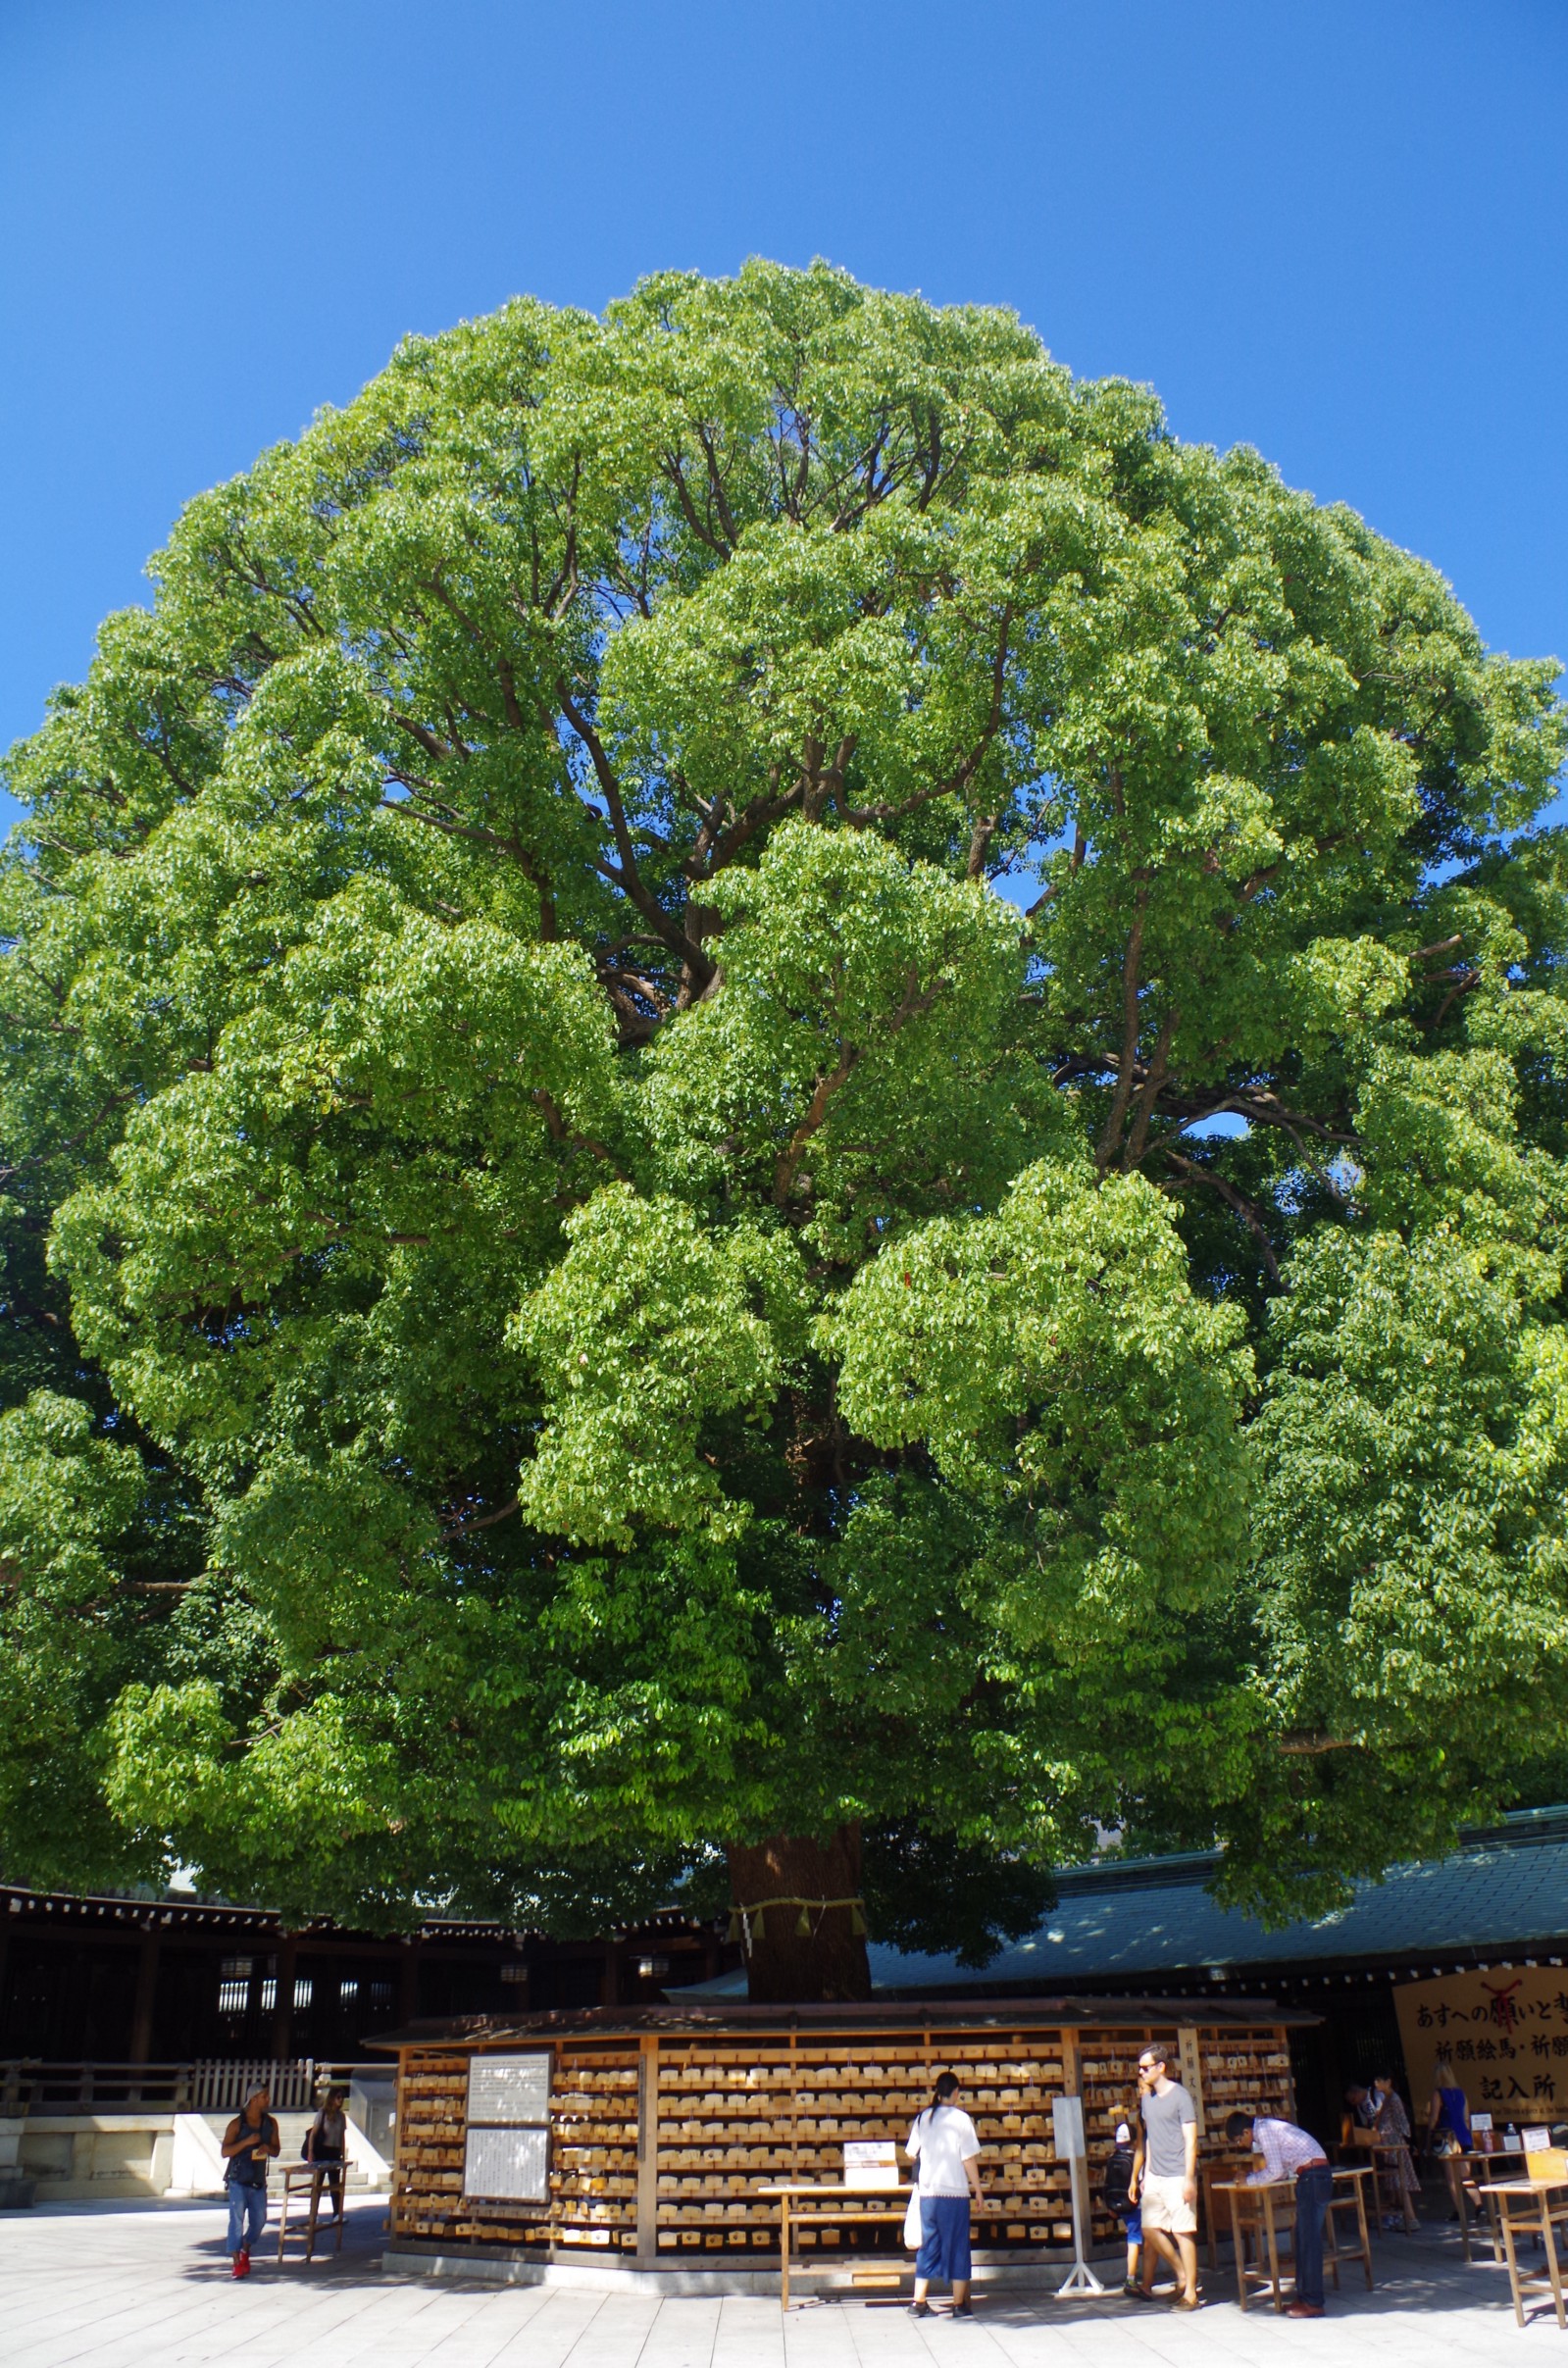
{"points": [[688, 508], [1248, 1212], [562, 1133], [1465, 984], [1257, 1107], [431, 741], [934, 463], [816, 1111], [721, 499], [1132, 963], [823, 785], [913, 1007], [1148, 1092], [670, 931], [980, 839], [481, 1521]]}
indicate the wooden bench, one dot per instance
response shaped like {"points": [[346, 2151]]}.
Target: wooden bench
{"points": [[841, 2206]]}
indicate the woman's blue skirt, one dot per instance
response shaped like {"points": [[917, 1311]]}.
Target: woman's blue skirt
{"points": [[943, 2239]]}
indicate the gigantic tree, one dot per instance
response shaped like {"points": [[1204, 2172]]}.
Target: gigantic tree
{"points": [[586, 1298]]}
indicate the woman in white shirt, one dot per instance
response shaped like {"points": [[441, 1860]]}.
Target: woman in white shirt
{"points": [[945, 2148]]}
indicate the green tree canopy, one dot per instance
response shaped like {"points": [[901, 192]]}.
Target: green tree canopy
{"points": [[583, 1294]]}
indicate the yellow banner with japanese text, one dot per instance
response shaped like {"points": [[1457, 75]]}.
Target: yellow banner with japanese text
{"points": [[1504, 2034]]}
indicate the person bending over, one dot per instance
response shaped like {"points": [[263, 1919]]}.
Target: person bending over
{"points": [[1293, 2156]]}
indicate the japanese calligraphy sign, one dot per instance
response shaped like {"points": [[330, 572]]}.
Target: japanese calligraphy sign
{"points": [[510, 2088], [1506, 2033], [507, 2144]]}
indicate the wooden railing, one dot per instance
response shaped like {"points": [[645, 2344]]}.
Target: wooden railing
{"points": [[210, 2085], [222, 2086]]}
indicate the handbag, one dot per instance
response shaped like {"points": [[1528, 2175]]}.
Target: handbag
{"points": [[914, 2229]]}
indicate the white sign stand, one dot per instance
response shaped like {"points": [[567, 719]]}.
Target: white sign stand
{"points": [[1067, 2131]]}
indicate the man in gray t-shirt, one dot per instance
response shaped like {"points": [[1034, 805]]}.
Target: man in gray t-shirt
{"points": [[1166, 2117], [1165, 2175]]}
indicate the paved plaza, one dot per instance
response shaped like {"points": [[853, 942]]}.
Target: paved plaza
{"points": [[98, 2285]]}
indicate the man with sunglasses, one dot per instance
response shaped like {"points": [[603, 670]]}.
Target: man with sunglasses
{"points": [[1165, 2177]]}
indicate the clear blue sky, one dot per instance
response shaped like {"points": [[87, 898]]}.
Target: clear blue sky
{"points": [[1336, 232]]}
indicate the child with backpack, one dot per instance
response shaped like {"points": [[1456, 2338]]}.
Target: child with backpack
{"points": [[1116, 2193]]}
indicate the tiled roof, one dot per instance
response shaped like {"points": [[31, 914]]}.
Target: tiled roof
{"points": [[1510, 1885], [1125, 1919]]}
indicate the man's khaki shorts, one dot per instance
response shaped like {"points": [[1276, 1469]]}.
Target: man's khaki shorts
{"points": [[1165, 2206]]}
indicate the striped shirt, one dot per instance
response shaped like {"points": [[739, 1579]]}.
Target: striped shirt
{"points": [[1285, 2149]]}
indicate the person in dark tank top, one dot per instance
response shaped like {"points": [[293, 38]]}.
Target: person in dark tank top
{"points": [[250, 2142]]}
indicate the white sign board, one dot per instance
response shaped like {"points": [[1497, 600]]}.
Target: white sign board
{"points": [[510, 2166], [1481, 2121], [509, 2089], [1536, 2141], [506, 2152], [1067, 2128], [871, 2163]]}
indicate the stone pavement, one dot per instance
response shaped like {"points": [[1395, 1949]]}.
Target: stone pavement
{"points": [[105, 2286]]}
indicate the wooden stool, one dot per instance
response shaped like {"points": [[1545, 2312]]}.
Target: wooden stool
{"points": [[1348, 2197], [1532, 2207], [1464, 2174], [306, 2180], [1255, 2231]]}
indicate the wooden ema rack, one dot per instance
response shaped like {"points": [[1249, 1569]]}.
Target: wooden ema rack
{"points": [[663, 2128]]}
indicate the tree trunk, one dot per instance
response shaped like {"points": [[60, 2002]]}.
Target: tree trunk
{"points": [[776, 1884]]}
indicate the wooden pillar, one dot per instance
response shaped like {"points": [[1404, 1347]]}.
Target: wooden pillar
{"points": [[1072, 2086], [283, 2000], [648, 2152], [146, 1995], [1187, 2049], [794, 2099], [408, 1979]]}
